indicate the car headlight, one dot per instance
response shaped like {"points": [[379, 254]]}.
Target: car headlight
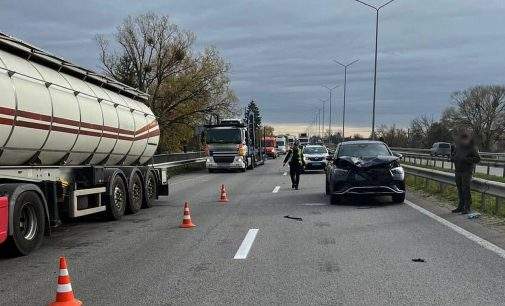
{"points": [[398, 173]]}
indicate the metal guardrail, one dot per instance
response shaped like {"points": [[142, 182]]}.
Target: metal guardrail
{"points": [[177, 159], [489, 155], [441, 162], [492, 188]]}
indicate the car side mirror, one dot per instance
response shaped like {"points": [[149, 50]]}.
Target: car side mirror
{"points": [[399, 155]]}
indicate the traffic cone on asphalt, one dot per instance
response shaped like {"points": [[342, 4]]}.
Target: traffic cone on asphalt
{"points": [[224, 196], [64, 293], [186, 218]]}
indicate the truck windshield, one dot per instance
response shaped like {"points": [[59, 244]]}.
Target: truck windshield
{"points": [[223, 136], [280, 143], [363, 150]]}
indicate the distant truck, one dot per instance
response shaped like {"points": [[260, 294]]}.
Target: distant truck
{"points": [[282, 144], [231, 145], [303, 138], [270, 147], [291, 140]]}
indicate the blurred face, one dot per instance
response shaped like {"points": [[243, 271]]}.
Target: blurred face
{"points": [[464, 138]]}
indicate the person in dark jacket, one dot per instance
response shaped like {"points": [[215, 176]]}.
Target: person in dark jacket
{"points": [[295, 159], [464, 156]]}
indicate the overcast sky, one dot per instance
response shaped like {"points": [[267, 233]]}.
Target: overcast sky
{"points": [[281, 51]]}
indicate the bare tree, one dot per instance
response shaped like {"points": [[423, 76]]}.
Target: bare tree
{"points": [[482, 109]]}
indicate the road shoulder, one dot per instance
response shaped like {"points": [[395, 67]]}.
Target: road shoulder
{"points": [[486, 227]]}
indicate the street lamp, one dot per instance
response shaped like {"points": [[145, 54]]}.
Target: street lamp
{"points": [[322, 119], [345, 89], [377, 9], [330, 89]]}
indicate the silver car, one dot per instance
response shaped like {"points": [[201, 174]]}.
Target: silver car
{"points": [[315, 157], [441, 149]]}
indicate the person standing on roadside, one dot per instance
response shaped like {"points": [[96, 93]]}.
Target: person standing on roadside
{"points": [[296, 163], [464, 156]]}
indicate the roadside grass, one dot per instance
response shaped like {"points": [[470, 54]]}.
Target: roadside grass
{"points": [[477, 174], [486, 204]]}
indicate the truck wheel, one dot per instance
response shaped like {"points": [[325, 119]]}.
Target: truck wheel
{"points": [[135, 193], [150, 195], [28, 223], [117, 199], [335, 199]]}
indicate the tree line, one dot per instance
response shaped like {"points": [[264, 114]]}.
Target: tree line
{"points": [[480, 109], [187, 87]]}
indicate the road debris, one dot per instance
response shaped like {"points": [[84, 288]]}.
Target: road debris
{"points": [[474, 215], [418, 260], [294, 218]]}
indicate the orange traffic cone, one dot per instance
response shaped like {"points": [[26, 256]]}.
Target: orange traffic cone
{"points": [[64, 293], [224, 196], [186, 218]]}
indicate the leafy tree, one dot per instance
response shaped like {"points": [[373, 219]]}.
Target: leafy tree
{"points": [[151, 53]]}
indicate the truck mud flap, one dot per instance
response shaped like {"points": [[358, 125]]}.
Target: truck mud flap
{"points": [[4, 218]]}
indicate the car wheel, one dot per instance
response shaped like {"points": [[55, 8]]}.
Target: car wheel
{"points": [[335, 199], [398, 198], [211, 171]]}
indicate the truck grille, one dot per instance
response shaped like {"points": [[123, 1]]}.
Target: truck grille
{"points": [[224, 159]]}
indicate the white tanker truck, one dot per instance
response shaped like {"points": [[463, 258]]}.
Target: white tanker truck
{"points": [[72, 143]]}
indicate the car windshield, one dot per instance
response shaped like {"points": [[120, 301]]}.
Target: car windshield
{"points": [[363, 150], [280, 143], [314, 150], [223, 136], [444, 146]]}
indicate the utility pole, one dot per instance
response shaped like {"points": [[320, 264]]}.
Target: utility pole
{"points": [[377, 10], [330, 89], [345, 89]]}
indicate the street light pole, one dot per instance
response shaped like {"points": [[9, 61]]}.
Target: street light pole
{"points": [[377, 9], [345, 89], [330, 89], [322, 120]]}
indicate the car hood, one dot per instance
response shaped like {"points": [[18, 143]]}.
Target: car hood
{"points": [[314, 155], [368, 162]]}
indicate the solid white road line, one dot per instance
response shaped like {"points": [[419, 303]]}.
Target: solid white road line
{"points": [[276, 189], [480, 241], [246, 245], [313, 204]]}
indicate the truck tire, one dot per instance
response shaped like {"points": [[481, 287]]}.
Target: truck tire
{"points": [[135, 193], [150, 189], [116, 204], [29, 224], [335, 199]]}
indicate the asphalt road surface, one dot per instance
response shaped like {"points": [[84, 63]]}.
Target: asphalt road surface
{"points": [[359, 252]]}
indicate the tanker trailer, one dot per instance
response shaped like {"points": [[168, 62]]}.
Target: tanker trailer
{"points": [[72, 143]]}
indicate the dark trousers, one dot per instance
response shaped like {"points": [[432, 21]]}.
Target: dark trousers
{"points": [[463, 180], [294, 173]]}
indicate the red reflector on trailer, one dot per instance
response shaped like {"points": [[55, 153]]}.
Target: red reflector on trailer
{"points": [[4, 218]]}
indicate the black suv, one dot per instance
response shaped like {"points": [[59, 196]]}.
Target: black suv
{"points": [[364, 167]]}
